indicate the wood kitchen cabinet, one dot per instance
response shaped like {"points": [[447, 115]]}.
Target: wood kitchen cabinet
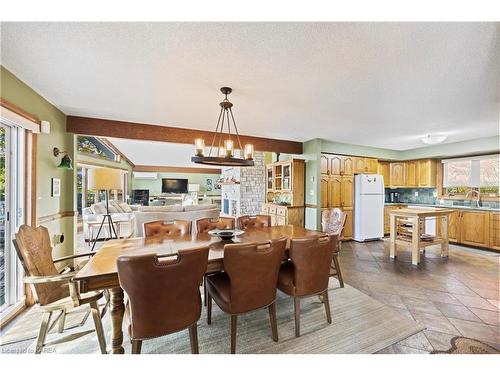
{"points": [[335, 165], [398, 174], [383, 169], [348, 228], [495, 231], [454, 226], [426, 173], [347, 191], [411, 174], [324, 162], [475, 228], [335, 194], [324, 190], [347, 166], [365, 165]]}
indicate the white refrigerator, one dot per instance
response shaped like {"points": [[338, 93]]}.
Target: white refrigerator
{"points": [[368, 207]]}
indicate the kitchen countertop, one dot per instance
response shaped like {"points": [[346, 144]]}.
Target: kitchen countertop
{"points": [[489, 209]]}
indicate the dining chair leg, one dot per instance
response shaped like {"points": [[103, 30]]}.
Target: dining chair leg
{"points": [[337, 268], [209, 309], [42, 334], [136, 346], [272, 318], [205, 290], [96, 315], [62, 320], [326, 302], [234, 324], [193, 338], [296, 303], [108, 299]]}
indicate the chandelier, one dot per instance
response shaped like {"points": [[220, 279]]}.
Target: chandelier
{"points": [[224, 141]]}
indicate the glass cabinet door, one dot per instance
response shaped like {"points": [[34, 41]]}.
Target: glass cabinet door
{"points": [[287, 177]]}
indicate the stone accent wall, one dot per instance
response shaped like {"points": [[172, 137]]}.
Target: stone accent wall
{"points": [[253, 186], [247, 197]]}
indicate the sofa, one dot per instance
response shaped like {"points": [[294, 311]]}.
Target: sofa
{"points": [[119, 211], [192, 213]]}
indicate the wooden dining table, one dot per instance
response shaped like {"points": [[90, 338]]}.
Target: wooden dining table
{"points": [[101, 271]]}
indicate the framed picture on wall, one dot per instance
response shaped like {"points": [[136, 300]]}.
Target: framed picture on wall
{"points": [[56, 187], [209, 184]]}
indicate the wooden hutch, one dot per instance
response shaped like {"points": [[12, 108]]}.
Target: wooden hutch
{"points": [[285, 192]]}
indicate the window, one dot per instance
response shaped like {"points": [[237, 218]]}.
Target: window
{"points": [[480, 172], [86, 197], [96, 147]]}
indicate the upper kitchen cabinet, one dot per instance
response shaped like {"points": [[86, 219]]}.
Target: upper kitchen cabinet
{"points": [[365, 165], [411, 174], [347, 165], [427, 173], [337, 165], [383, 169], [398, 174]]}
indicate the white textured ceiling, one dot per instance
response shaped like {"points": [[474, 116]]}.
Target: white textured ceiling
{"points": [[156, 153], [376, 84]]}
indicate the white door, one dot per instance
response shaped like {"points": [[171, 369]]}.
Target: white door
{"points": [[11, 212]]}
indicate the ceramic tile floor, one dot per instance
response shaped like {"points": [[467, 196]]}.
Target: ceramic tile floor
{"points": [[458, 296]]}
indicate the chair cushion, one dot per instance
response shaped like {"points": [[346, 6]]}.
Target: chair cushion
{"points": [[125, 207], [285, 278], [98, 208], [218, 286]]}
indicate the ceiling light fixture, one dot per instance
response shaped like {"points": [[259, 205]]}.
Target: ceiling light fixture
{"points": [[224, 141], [433, 139]]}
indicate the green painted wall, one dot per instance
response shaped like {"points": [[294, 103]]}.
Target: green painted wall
{"points": [[20, 94], [154, 186], [349, 149]]}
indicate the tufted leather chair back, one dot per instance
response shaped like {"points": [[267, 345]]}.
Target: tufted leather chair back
{"points": [[311, 258], [206, 224], [252, 222], [161, 229], [34, 250], [164, 295], [253, 273]]}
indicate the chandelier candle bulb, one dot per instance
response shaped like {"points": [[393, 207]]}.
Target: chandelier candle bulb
{"points": [[228, 145], [222, 152], [248, 151], [199, 145]]}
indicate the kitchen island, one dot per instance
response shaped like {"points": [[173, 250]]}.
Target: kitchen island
{"points": [[407, 228]]}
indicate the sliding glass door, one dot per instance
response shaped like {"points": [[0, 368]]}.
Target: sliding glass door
{"points": [[11, 211]]}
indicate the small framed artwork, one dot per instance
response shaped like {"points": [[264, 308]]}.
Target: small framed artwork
{"points": [[209, 184], [56, 187]]}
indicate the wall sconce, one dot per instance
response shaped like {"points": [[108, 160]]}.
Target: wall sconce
{"points": [[66, 162]]}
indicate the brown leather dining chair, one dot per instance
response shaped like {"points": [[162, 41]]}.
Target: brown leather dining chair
{"points": [[163, 294], [251, 222], [307, 272], [162, 229], [248, 282], [53, 291], [206, 224]]}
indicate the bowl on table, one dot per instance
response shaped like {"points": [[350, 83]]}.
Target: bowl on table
{"points": [[225, 234]]}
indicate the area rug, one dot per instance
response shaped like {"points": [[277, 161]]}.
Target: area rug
{"points": [[465, 345], [360, 325]]}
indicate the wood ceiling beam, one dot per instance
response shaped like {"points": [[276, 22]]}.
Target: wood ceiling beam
{"points": [[165, 169], [145, 132]]}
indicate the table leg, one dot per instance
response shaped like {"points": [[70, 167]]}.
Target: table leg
{"points": [[415, 239], [393, 231], [444, 236], [117, 311]]}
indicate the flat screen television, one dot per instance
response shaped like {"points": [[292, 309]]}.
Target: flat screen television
{"points": [[174, 185]]}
